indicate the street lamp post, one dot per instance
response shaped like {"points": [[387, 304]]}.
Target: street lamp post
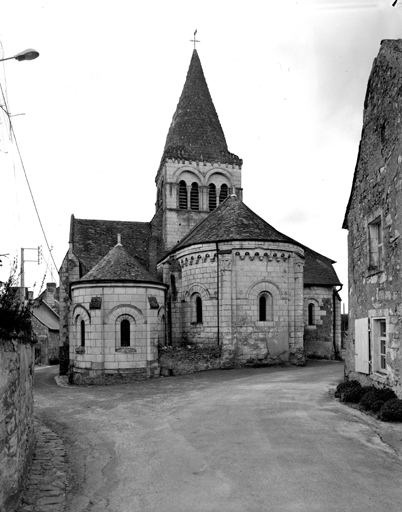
{"points": [[25, 55]]}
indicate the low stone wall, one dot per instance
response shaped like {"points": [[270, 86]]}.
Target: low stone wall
{"points": [[16, 418]]}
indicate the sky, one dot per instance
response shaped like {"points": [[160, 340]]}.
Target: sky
{"points": [[92, 113]]}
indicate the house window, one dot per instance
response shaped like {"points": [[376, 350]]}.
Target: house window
{"points": [[182, 195], [212, 197], [125, 333], [311, 314], [223, 193], [375, 243], [379, 333], [82, 323], [265, 307], [194, 197]]}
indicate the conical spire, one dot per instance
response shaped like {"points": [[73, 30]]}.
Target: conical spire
{"points": [[195, 132]]}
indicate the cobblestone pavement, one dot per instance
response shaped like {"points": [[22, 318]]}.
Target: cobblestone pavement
{"points": [[46, 487]]}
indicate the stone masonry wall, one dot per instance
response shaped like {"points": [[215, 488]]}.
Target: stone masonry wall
{"points": [[376, 291], [48, 342], [319, 337], [229, 284], [16, 418]]}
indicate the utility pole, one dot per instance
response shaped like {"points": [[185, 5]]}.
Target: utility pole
{"points": [[23, 260]]}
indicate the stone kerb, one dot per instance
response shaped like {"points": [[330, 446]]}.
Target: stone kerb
{"points": [[16, 418]]}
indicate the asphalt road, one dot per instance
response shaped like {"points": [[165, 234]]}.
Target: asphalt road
{"points": [[247, 440]]}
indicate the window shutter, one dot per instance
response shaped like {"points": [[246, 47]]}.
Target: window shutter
{"points": [[362, 346]]}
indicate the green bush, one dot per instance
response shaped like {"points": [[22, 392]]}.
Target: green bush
{"points": [[346, 386], [353, 395], [391, 410], [374, 398]]}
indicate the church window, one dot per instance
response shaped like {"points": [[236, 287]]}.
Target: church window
{"points": [[311, 314], [182, 195], [82, 327], [194, 197], [265, 307], [375, 244], [125, 333], [212, 197], [223, 193], [196, 306]]}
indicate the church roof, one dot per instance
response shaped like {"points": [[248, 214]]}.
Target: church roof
{"points": [[118, 265], [92, 239], [233, 220], [195, 132]]}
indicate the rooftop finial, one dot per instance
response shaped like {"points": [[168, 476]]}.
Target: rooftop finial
{"points": [[119, 239], [195, 40]]}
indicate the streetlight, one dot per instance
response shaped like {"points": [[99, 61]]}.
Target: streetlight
{"points": [[25, 55]]}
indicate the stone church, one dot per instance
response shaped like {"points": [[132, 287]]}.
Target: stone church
{"points": [[205, 271]]}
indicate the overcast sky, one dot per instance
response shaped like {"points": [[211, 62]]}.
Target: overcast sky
{"points": [[91, 114]]}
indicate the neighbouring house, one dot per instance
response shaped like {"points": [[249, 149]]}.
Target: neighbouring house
{"points": [[205, 271], [374, 221], [45, 324]]}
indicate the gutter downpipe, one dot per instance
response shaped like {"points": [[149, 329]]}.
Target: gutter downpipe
{"points": [[334, 293], [217, 290]]}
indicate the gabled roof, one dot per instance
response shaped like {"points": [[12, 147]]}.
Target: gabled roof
{"points": [[92, 239], [195, 132], [46, 315], [233, 220], [118, 265]]}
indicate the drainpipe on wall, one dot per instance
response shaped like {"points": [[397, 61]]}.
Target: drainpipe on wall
{"points": [[217, 290], [334, 293]]}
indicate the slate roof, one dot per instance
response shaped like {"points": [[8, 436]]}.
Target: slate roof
{"points": [[233, 220], [195, 132], [92, 239], [118, 265], [46, 315]]}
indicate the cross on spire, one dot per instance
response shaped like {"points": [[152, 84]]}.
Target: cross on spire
{"points": [[194, 40]]}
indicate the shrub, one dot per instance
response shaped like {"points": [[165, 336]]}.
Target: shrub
{"points": [[353, 395], [391, 410], [346, 385], [374, 398]]}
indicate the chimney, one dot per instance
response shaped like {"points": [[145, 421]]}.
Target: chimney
{"points": [[50, 292], [30, 295]]}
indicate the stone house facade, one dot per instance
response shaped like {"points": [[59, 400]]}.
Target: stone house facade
{"points": [[45, 324], [220, 275], [374, 221]]}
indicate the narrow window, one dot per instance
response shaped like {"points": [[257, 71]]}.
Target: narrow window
{"points": [[125, 333], [383, 345], [182, 195], [223, 193], [263, 308], [311, 314], [82, 333], [198, 309], [194, 197], [212, 197], [375, 244]]}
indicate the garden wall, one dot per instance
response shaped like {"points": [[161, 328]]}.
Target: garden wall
{"points": [[16, 418]]}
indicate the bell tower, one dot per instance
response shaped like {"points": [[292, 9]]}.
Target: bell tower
{"points": [[197, 172]]}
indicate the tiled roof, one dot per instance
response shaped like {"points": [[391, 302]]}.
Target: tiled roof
{"points": [[45, 314], [118, 265], [195, 132], [233, 220], [92, 239]]}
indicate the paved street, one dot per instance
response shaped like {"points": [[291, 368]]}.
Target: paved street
{"points": [[269, 439]]}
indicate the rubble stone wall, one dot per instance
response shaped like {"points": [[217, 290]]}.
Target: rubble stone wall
{"points": [[16, 418]]}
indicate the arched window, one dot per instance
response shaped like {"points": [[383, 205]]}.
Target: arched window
{"points": [[198, 309], [194, 197], [182, 195], [82, 326], [311, 319], [265, 307], [223, 193], [125, 333], [212, 197]]}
